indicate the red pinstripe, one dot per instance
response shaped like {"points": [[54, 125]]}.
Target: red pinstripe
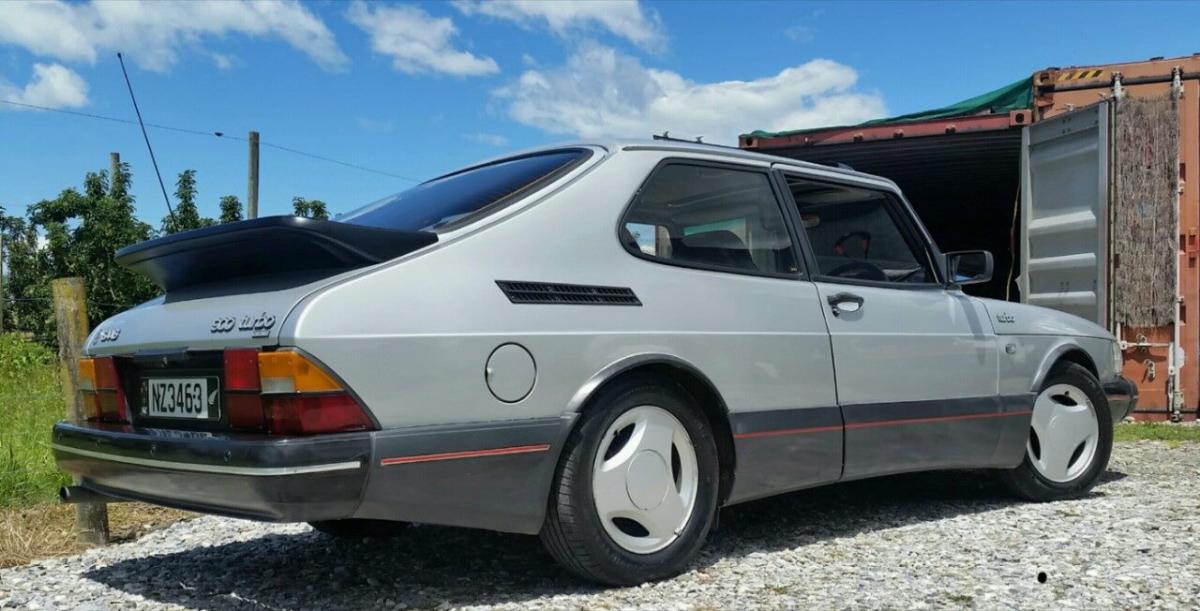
{"points": [[404, 460], [776, 433]]}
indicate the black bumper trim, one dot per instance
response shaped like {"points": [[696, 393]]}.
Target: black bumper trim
{"points": [[1122, 396], [493, 475], [282, 479]]}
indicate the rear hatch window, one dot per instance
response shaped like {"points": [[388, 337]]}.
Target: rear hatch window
{"points": [[456, 199]]}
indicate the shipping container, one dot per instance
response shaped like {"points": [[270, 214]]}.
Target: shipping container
{"points": [[1076, 179]]}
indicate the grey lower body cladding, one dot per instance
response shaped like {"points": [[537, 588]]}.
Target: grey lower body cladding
{"points": [[492, 476], [497, 475], [800, 448]]}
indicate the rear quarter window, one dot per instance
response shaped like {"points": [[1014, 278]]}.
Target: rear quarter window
{"points": [[710, 217]]}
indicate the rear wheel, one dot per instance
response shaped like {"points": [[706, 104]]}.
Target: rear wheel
{"points": [[359, 529], [635, 491], [1070, 437]]}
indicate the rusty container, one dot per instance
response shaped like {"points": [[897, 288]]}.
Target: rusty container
{"points": [[970, 177]]}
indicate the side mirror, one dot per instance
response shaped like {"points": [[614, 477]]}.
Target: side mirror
{"points": [[968, 267]]}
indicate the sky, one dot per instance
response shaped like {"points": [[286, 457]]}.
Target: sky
{"points": [[412, 90]]}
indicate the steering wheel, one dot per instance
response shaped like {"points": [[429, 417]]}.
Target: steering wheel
{"points": [[857, 268], [864, 242]]}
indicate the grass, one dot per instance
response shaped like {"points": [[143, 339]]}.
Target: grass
{"points": [[32, 523], [1173, 434], [31, 401], [46, 530]]}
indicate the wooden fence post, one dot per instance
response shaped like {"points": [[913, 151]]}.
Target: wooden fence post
{"points": [[70, 315]]}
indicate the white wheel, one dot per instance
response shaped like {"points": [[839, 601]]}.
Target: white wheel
{"points": [[644, 479], [1065, 433]]}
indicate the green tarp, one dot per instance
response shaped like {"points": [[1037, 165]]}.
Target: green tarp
{"points": [[1014, 96]]}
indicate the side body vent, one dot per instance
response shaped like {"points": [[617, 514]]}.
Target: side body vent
{"points": [[567, 294]]}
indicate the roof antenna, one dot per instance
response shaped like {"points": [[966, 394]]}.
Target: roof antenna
{"points": [[147, 139]]}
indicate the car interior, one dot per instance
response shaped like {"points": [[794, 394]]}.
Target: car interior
{"points": [[712, 217], [725, 218], [854, 234]]}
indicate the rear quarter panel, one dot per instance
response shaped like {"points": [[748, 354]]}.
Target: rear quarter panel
{"points": [[412, 338]]}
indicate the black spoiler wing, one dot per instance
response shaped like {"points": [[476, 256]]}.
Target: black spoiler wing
{"points": [[266, 246]]}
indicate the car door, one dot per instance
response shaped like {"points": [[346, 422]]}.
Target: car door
{"points": [[743, 311], [915, 362]]}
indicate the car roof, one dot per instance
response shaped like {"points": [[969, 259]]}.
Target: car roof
{"points": [[704, 148], [681, 146]]}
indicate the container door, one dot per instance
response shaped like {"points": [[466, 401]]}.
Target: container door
{"points": [[1064, 220]]}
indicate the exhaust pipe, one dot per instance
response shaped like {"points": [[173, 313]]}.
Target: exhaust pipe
{"points": [[78, 494]]}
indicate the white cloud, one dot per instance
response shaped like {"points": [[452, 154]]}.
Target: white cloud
{"points": [[382, 126], [152, 33], [800, 33], [624, 18], [223, 61], [52, 85], [486, 138], [600, 92], [416, 41]]}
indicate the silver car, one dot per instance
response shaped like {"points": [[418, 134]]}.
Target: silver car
{"points": [[601, 344]]}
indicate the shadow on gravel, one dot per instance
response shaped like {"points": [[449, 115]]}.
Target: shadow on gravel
{"points": [[429, 565]]}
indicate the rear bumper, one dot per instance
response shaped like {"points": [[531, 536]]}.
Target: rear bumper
{"points": [[1122, 397], [483, 475], [281, 479]]}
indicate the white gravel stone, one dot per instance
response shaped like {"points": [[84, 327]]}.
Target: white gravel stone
{"points": [[925, 541]]}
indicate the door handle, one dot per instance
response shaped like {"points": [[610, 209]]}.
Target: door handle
{"points": [[844, 302]]}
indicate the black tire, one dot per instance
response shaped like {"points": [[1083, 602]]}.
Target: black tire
{"points": [[573, 532], [360, 529], [1026, 482]]}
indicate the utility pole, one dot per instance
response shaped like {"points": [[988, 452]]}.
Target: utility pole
{"points": [[114, 160], [70, 315], [252, 194]]}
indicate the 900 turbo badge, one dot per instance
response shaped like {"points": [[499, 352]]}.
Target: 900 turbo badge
{"points": [[259, 325]]}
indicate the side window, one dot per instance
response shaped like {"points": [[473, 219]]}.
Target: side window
{"points": [[710, 217], [855, 235]]}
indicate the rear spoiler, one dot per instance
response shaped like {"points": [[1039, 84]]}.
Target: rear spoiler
{"points": [[266, 246]]}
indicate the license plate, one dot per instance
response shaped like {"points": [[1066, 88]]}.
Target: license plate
{"points": [[181, 397]]}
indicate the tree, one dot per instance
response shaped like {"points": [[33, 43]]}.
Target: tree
{"points": [[310, 208], [187, 214], [81, 231], [231, 209], [76, 234]]}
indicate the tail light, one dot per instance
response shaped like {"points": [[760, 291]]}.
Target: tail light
{"points": [[286, 393], [100, 389]]}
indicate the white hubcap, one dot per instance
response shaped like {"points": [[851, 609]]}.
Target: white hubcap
{"points": [[1064, 433], [644, 479]]}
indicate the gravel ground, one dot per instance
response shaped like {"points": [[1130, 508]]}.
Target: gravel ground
{"points": [[929, 540]]}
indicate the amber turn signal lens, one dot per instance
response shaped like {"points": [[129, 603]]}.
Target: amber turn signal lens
{"points": [[87, 374], [289, 372]]}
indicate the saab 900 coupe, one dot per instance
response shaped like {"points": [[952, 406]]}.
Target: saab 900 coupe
{"points": [[598, 343]]}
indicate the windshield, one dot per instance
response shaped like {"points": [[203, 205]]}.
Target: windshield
{"points": [[444, 202]]}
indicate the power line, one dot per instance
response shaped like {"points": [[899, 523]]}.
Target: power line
{"points": [[146, 137], [212, 134]]}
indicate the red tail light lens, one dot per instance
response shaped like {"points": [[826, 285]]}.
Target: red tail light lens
{"points": [[245, 411], [241, 370], [305, 415], [286, 393]]}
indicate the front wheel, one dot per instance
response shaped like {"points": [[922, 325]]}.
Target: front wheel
{"points": [[1070, 438], [635, 491]]}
